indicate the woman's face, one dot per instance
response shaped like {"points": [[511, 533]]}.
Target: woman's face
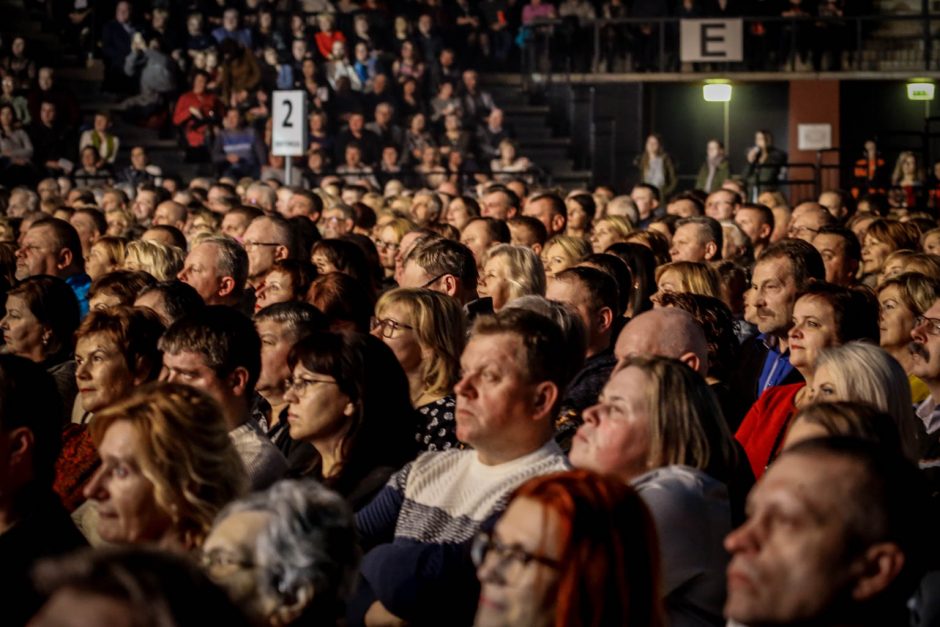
{"points": [[760, 140], [117, 223], [577, 216], [387, 246], [89, 157], [824, 387], [22, 332], [874, 252], [417, 123], [891, 269], [278, 287], [909, 165], [101, 372], [895, 320], [670, 281], [604, 236], [932, 244], [615, 438], [6, 117], [457, 214], [506, 151], [494, 282], [18, 46], [128, 513], [102, 301], [555, 259], [319, 410], [814, 328], [516, 589], [652, 145], [403, 341], [324, 265]]}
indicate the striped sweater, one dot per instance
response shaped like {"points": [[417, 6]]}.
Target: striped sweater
{"points": [[418, 531]]}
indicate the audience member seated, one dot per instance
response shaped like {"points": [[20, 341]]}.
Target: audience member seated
{"points": [[34, 523], [901, 300], [287, 280], [152, 444], [51, 246], [658, 427], [348, 399], [572, 548], [510, 272], [426, 330], [117, 288], [416, 566], [218, 350], [844, 418], [287, 555]]}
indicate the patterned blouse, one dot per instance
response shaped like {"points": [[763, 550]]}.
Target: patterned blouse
{"points": [[439, 433]]}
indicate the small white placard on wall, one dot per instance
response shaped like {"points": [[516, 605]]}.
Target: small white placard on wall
{"points": [[289, 123], [814, 136]]}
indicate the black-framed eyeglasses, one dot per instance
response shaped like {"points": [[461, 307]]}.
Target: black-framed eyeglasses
{"points": [[933, 324], [250, 244], [388, 326], [484, 543], [300, 385], [433, 281]]}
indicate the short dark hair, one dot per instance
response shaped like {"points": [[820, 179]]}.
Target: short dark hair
{"points": [[179, 299], [124, 284], [511, 197], [101, 225], [600, 286], [555, 201], [692, 198], [29, 398], [766, 215], [496, 229], [805, 260], [620, 271], [533, 225], [444, 256], [711, 227], [657, 196], [64, 236], [302, 318], [545, 354], [853, 250], [179, 240], [226, 339]]}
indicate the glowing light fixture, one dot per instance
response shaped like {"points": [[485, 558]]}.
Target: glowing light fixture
{"points": [[718, 92], [920, 89]]}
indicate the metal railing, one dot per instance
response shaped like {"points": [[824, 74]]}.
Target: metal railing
{"points": [[850, 43]]}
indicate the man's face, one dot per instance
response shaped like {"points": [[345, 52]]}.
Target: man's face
{"points": [[168, 214], [413, 275], [805, 225], [237, 536], [190, 368], [641, 336], [496, 205], [383, 114], [839, 268], [144, 205], [230, 19], [773, 289], [644, 201], [476, 237], [687, 244], [300, 206], [720, 205], [684, 208], [753, 225], [277, 338], [925, 348], [356, 122], [422, 212], [47, 113], [87, 230], [139, 158], [832, 202], [541, 210], [789, 560], [258, 240], [45, 79], [201, 271], [234, 225], [574, 294], [494, 396], [335, 224], [37, 254]]}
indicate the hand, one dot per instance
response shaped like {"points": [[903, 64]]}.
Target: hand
{"points": [[196, 113], [378, 616], [753, 154]]}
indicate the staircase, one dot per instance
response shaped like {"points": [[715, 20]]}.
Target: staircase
{"points": [[534, 135]]}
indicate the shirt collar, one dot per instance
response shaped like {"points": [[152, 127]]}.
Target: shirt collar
{"points": [[929, 414]]}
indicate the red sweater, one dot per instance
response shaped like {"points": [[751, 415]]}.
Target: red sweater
{"points": [[765, 423]]}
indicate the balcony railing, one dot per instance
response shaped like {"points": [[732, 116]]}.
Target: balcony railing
{"points": [[770, 44]]}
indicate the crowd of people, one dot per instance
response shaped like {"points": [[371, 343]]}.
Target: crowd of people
{"points": [[384, 397]]}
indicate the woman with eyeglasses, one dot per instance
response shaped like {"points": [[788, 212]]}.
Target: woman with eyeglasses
{"points": [[901, 300], [388, 242], [348, 398], [572, 549], [426, 330]]}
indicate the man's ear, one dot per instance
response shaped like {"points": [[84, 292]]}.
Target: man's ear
{"points": [[450, 285], [226, 286], [238, 381], [691, 360], [711, 249], [64, 259], [543, 398], [281, 252], [605, 318], [765, 231], [558, 223], [20, 443], [877, 569]]}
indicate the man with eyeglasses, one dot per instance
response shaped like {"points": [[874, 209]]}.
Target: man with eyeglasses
{"points": [[266, 240], [337, 221], [925, 364], [443, 266], [418, 530], [807, 219]]}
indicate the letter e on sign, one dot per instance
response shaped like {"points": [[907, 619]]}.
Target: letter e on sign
{"points": [[289, 123], [711, 40]]}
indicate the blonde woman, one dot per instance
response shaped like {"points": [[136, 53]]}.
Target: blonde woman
{"points": [[901, 261], [168, 467], [160, 261], [426, 330], [687, 277], [609, 231], [106, 255], [510, 272], [562, 252], [119, 221]]}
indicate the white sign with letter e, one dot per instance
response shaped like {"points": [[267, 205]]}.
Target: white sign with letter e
{"points": [[711, 40], [289, 117]]}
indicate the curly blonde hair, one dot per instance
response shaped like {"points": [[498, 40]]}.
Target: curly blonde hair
{"points": [[186, 453], [159, 260]]}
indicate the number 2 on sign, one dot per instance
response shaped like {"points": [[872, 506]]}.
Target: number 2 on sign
{"points": [[290, 109]]}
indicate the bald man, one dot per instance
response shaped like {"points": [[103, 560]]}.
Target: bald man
{"points": [[665, 332]]}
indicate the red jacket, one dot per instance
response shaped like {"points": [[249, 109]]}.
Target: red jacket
{"points": [[761, 433], [205, 103]]}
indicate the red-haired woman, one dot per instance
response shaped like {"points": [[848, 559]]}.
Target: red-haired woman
{"points": [[573, 548]]}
